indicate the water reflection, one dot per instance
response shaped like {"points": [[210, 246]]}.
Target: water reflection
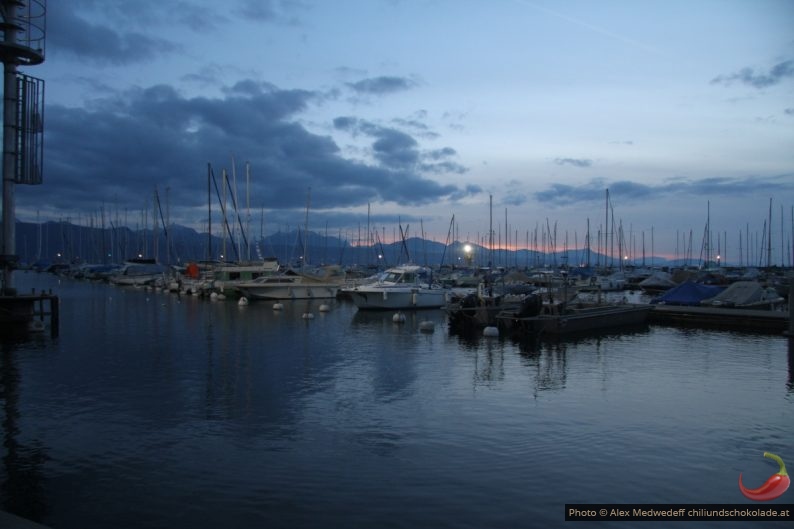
{"points": [[22, 487], [549, 361], [489, 363]]}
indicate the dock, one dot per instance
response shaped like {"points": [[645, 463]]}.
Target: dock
{"points": [[762, 321], [29, 312]]}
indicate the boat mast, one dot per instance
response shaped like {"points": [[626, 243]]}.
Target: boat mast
{"points": [[306, 228], [209, 212], [769, 237], [248, 209], [490, 231]]}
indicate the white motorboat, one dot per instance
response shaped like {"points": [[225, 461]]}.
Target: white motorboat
{"points": [[294, 285], [140, 272], [400, 287]]}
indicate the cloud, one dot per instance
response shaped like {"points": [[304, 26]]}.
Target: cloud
{"points": [[269, 10], [576, 162], [747, 76], [515, 199], [120, 148], [417, 125], [100, 43], [400, 151], [789, 111], [595, 190], [381, 85]]}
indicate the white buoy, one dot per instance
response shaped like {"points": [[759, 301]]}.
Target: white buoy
{"points": [[243, 301], [221, 296], [398, 317], [278, 306], [214, 296], [308, 316], [490, 331], [324, 308], [427, 326]]}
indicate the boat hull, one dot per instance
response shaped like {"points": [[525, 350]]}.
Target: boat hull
{"points": [[397, 298], [578, 321], [287, 292]]}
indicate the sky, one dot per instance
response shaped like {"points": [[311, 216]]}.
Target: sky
{"points": [[505, 114]]}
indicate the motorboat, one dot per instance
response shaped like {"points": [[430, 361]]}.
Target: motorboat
{"points": [[294, 284], [140, 272], [400, 287]]}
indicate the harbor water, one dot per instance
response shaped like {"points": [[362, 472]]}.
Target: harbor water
{"points": [[151, 410]]}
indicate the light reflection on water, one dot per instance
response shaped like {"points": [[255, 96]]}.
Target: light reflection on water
{"points": [[156, 411]]}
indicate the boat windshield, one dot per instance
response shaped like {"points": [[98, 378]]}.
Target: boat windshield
{"points": [[405, 277]]}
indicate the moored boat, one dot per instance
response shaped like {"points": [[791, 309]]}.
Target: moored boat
{"points": [[400, 287], [574, 319], [140, 272], [226, 277], [294, 285]]}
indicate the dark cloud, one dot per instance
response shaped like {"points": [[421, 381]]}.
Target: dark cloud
{"points": [[576, 162], [120, 148], [594, 190], [101, 43], [382, 85], [91, 30], [469, 190], [400, 151], [748, 76], [438, 161], [789, 111]]}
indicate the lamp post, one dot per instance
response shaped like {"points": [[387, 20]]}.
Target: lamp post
{"points": [[467, 251]]}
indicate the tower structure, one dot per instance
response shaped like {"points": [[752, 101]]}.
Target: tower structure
{"points": [[22, 40]]}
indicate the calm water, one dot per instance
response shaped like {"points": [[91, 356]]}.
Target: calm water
{"points": [[154, 411]]}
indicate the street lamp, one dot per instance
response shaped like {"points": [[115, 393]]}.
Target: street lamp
{"points": [[467, 250]]}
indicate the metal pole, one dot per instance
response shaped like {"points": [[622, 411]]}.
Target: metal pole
{"points": [[9, 150]]}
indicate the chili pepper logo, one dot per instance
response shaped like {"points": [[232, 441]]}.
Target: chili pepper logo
{"points": [[776, 485]]}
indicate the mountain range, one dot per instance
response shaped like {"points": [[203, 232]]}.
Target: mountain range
{"points": [[67, 242]]}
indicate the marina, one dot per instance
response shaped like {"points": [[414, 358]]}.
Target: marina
{"points": [[185, 412], [162, 365]]}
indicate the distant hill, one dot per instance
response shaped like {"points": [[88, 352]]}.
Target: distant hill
{"points": [[67, 242]]}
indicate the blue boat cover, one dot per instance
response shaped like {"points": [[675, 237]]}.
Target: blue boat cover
{"points": [[688, 293]]}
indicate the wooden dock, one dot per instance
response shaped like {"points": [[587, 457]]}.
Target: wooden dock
{"points": [[29, 312], [762, 321]]}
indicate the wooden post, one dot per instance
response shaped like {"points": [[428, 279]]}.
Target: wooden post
{"points": [[54, 316]]}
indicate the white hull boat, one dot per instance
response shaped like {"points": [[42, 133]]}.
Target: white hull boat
{"points": [[401, 287], [140, 273], [293, 285]]}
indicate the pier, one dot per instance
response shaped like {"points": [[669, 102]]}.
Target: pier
{"points": [[20, 313], [764, 321]]}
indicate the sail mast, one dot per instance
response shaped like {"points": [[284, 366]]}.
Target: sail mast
{"points": [[306, 228]]}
